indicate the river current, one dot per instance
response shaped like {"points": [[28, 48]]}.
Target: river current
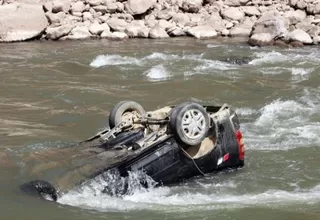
{"points": [[56, 93]]}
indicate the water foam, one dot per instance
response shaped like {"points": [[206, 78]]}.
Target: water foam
{"points": [[186, 199], [112, 60], [284, 124], [157, 73]]}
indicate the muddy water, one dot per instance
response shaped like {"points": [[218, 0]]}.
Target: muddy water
{"points": [[55, 94]]}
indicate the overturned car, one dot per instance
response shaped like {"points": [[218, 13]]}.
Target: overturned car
{"points": [[170, 144]]}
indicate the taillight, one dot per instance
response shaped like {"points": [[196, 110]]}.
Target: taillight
{"points": [[240, 144]]}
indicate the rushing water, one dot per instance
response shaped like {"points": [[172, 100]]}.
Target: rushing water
{"points": [[54, 94]]}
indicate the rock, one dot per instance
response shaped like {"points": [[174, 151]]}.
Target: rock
{"points": [[191, 6], [232, 2], [165, 24], [87, 16], [165, 14], [180, 19], [202, 32], [301, 36], [176, 32], [79, 33], [54, 33], [70, 19], [251, 11], [280, 43], [158, 32], [117, 24], [233, 13], [61, 6], [97, 29], [296, 44], [136, 7], [216, 22], [112, 6], [316, 9], [94, 2], [137, 30], [120, 6], [101, 8], [295, 17], [14, 28], [77, 7], [225, 32], [316, 40], [114, 35], [55, 19], [261, 39], [47, 7], [272, 23], [240, 31]]}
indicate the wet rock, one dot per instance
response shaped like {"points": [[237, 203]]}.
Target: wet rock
{"points": [[61, 6], [13, 28], [261, 39], [233, 13], [301, 36], [202, 32], [158, 32], [296, 44], [280, 43], [54, 33], [79, 33], [136, 7], [191, 6], [114, 35], [237, 60], [117, 24]]}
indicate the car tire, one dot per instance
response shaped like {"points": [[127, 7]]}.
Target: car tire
{"points": [[117, 112], [189, 122]]}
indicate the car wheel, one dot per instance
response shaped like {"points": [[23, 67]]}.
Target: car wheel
{"points": [[124, 110], [189, 122]]}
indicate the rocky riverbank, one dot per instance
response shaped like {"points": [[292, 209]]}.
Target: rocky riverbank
{"points": [[264, 22]]}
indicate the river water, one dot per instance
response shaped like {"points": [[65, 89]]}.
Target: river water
{"points": [[57, 93]]}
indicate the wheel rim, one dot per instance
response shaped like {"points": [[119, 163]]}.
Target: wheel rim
{"points": [[193, 124]]}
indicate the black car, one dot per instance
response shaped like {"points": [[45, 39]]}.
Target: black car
{"points": [[170, 144]]}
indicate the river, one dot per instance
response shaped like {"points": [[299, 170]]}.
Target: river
{"points": [[57, 93]]}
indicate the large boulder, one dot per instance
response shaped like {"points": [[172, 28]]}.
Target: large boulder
{"points": [[202, 32], [271, 25], [21, 22], [136, 7], [295, 17], [191, 6], [301, 36]]}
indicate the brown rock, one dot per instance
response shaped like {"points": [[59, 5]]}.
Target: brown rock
{"points": [[191, 6], [296, 44]]}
